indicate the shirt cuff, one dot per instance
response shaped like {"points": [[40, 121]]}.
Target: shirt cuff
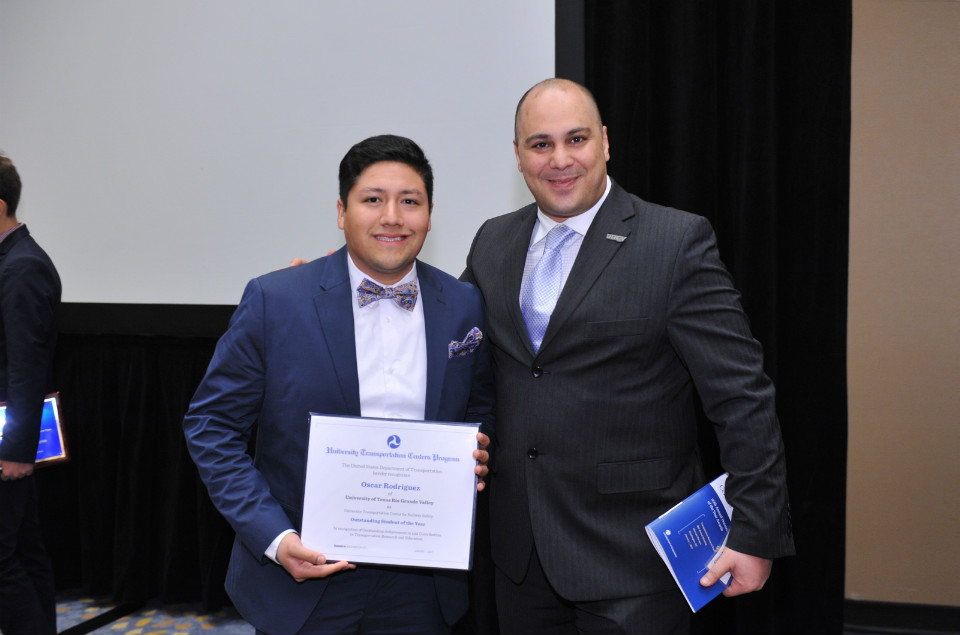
{"points": [[271, 551]]}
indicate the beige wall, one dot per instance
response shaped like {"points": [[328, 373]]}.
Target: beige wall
{"points": [[903, 500]]}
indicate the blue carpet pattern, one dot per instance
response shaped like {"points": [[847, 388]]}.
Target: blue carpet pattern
{"points": [[78, 615]]}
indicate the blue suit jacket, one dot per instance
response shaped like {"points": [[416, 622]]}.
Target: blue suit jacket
{"points": [[29, 310], [289, 351]]}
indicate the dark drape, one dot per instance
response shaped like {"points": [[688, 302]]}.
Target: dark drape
{"points": [[127, 516], [740, 111]]}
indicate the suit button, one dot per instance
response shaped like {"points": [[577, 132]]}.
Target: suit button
{"points": [[536, 371], [532, 453]]}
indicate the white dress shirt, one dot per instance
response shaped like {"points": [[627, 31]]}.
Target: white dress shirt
{"points": [[391, 353]]}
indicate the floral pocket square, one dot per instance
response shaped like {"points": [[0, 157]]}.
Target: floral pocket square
{"points": [[467, 346]]}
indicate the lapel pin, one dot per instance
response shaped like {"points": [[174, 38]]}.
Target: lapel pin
{"points": [[616, 238]]}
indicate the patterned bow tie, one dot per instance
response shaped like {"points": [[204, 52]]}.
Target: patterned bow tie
{"points": [[405, 294]]}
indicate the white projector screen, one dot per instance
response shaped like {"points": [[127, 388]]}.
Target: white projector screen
{"points": [[172, 149]]}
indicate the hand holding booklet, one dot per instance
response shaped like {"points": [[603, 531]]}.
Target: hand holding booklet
{"points": [[52, 445], [689, 538]]}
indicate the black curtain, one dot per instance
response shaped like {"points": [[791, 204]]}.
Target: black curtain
{"points": [[127, 517], [740, 111]]}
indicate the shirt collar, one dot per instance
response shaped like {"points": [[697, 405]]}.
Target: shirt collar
{"points": [[10, 231], [579, 223], [357, 276]]}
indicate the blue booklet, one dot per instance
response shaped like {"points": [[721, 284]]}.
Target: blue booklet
{"points": [[52, 447], [689, 538]]}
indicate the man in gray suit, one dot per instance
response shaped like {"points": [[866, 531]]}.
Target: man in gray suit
{"points": [[596, 416]]}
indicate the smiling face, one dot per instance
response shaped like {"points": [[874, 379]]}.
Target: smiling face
{"points": [[385, 220], [562, 149]]}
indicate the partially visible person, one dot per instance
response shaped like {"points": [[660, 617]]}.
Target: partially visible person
{"points": [[367, 331], [608, 317], [29, 310]]}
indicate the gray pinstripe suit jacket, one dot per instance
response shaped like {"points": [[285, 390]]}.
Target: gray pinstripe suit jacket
{"points": [[596, 434]]}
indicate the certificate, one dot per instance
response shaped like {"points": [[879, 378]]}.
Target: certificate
{"points": [[391, 491]]}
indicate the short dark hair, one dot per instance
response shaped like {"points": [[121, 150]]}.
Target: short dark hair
{"points": [[385, 147], [9, 185]]}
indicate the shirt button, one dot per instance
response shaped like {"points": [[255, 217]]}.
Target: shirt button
{"points": [[532, 453], [536, 371]]}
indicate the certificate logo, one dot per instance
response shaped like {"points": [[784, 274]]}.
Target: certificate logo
{"points": [[393, 441]]}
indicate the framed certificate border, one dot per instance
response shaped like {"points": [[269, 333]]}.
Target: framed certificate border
{"points": [[391, 491], [53, 442]]}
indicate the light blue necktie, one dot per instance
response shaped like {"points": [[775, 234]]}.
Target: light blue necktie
{"points": [[543, 287]]}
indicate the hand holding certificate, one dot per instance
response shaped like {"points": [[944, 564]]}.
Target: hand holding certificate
{"points": [[391, 491]]}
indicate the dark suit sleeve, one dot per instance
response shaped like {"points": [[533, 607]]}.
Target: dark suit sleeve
{"points": [[710, 333], [482, 395], [467, 275], [219, 423], [30, 298], [480, 406]]}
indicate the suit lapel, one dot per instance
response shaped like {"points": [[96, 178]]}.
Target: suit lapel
{"points": [[595, 253], [436, 317], [336, 323]]}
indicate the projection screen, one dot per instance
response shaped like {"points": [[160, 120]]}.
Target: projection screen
{"points": [[171, 150]]}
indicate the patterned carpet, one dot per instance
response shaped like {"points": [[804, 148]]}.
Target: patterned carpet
{"points": [[77, 615]]}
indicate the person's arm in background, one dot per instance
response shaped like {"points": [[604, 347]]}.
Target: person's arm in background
{"points": [[30, 296]]}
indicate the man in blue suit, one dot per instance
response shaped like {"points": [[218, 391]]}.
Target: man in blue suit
{"points": [[29, 309], [367, 331]]}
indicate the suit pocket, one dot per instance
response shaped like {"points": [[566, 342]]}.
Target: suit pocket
{"points": [[634, 476], [618, 328], [461, 361]]}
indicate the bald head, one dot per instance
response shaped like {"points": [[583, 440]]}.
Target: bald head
{"points": [[561, 148], [557, 84]]}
